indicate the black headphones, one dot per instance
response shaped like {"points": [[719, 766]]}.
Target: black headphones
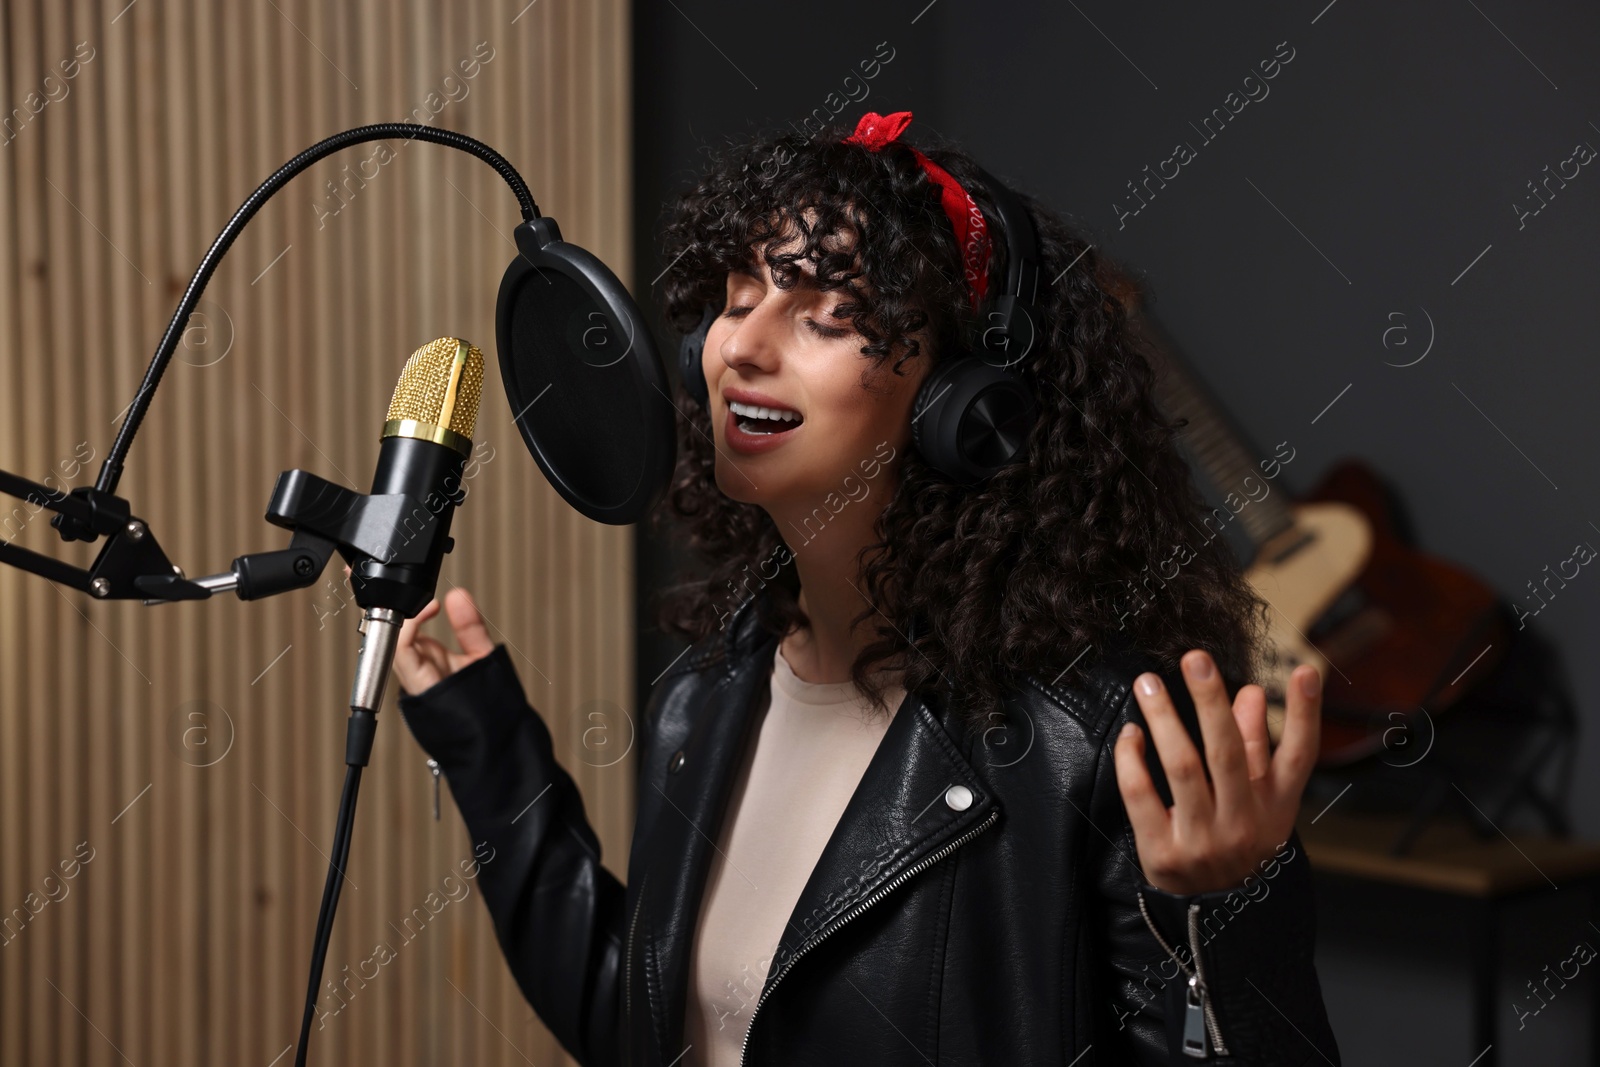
{"points": [[972, 415]]}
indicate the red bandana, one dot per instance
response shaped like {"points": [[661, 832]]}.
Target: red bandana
{"points": [[972, 233]]}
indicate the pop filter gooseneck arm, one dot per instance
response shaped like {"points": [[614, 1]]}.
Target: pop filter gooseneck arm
{"points": [[111, 470]]}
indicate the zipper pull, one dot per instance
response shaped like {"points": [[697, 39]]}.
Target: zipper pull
{"points": [[433, 766], [1196, 1041]]}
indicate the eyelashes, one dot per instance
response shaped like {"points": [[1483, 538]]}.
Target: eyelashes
{"points": [[829, 332]]}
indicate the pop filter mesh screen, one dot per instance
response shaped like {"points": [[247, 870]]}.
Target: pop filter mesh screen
{"points": [[589, 424]]}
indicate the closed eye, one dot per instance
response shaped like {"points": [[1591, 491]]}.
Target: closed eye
{"points": [[826, 331], [829, 332]]}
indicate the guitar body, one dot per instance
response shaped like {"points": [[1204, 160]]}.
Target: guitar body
{"points": [[1301, 573], [1397, 634]]}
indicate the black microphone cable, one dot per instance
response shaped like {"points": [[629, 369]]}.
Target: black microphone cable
{"points": [[330, 902], [358, 745]]}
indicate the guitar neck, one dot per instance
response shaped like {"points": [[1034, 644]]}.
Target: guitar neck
{"points": [[1216, 448]]}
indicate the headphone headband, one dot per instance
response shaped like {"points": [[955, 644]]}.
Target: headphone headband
{"points": [[873, 131]]}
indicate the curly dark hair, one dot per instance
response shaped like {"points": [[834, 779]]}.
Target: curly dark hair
{"points": [[1065, 552]]}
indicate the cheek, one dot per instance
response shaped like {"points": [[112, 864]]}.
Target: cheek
{"points": [[878, 407], [711, 363], [852, 424]]}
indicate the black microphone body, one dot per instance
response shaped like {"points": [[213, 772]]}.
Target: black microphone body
{"points": [[425, 480]]}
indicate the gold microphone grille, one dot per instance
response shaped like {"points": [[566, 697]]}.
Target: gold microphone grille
{"points": [[439, 387]]}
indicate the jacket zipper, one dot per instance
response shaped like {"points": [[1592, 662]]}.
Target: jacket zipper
{"points": [[857, 910], [1199, 1020], [627, 963], [1200, 980]]}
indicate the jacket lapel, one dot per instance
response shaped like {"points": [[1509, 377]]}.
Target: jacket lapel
{"points": [[917, 796]]}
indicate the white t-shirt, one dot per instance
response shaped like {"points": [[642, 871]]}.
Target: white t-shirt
{"points": [[812, 745]]}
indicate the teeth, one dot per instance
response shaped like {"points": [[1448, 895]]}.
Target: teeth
{"points": [[753, 411]]}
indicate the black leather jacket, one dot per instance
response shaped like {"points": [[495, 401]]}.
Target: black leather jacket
{"points": [[978, 903]]}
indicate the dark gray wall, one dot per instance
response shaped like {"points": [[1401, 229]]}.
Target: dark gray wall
{"points": [[1382, 181]]}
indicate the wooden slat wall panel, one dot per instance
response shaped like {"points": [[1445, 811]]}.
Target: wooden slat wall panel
{"points": [[197, 748]]}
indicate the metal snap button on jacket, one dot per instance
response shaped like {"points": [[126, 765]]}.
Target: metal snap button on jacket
{"points": [[958, 797], [676, 763]]}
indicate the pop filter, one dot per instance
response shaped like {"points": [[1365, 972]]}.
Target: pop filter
{"points": [[583, 377]]}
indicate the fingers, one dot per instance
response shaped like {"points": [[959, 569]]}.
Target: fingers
{"points": [[1250, 713], [1146, 812], [468, 623], [1302, 731], [1186, 775], [409, 634], [1224, 746], [419, 660]]}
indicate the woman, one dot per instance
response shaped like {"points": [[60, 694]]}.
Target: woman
{"points": [[896, 804]]}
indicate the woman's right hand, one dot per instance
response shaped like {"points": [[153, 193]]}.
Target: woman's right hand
{"points": [[421, 661]]}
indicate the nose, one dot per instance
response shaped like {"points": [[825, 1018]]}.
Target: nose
{"points": [[753, 339]]}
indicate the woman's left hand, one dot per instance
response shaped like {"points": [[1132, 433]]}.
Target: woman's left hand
{"points": [[1217, 832]]}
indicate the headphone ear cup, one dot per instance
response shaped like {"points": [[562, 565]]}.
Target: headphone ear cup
{"points": [[689, 359], [971, 418], [1007, 332]]}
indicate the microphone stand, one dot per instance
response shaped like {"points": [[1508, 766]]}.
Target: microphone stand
{"points": [[324, 518]]}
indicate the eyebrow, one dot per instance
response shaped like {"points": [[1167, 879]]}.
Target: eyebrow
{"points": [[805, 279]]}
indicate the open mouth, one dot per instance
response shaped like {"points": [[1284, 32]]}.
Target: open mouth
{"points": [[753, 419], [764, 426]]}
